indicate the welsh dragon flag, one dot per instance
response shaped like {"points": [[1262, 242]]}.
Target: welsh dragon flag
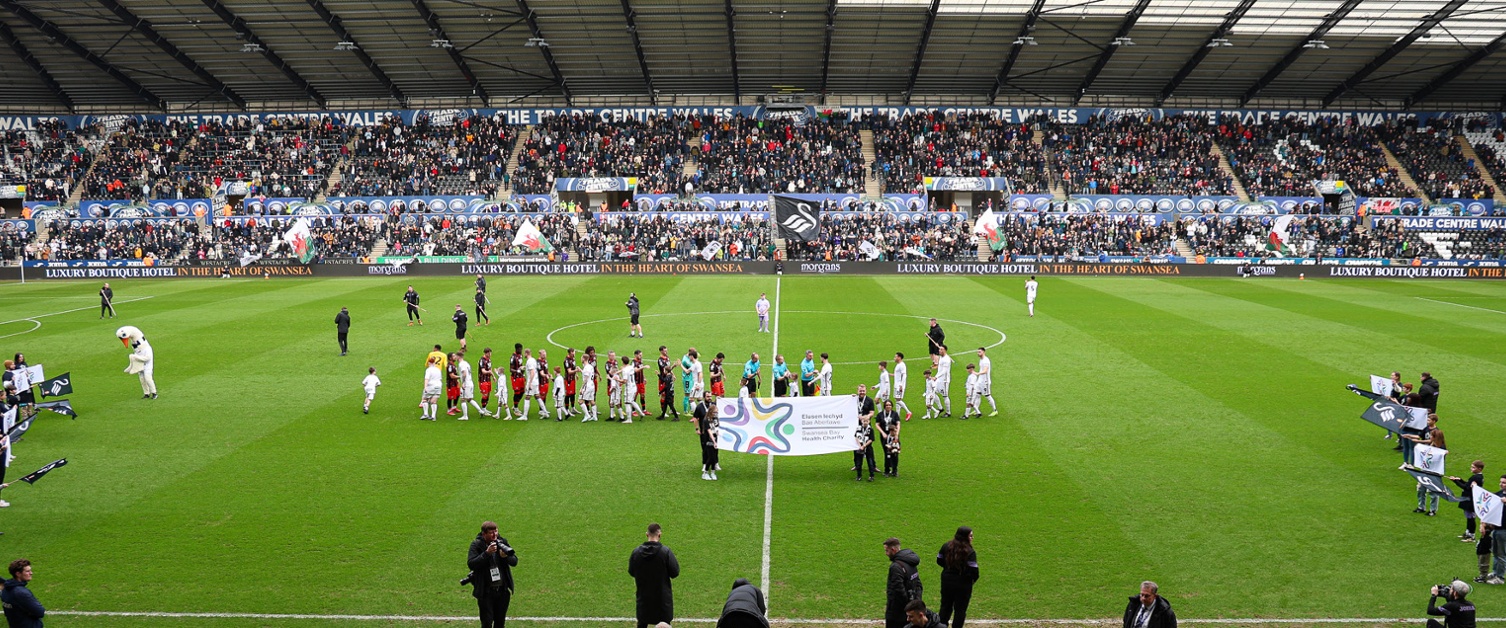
{"points": [[1280, 239], [529, 237], [301, 239], [987, 226]]}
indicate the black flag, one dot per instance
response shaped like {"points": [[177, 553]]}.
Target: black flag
{"points": [[19, 429], [60, 406], [1433, 482], [31, 478], [1382, 411], [57, 386], [797, 219]]}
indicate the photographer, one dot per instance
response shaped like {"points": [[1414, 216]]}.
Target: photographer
{"points": [[1457, 612], [491, 560]]}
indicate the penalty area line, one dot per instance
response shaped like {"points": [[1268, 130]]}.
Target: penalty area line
{"points": [[1472, 307], [705, 620]]}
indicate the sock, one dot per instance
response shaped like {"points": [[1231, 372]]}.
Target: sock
{"points": [[479, 408], [526, 402], [1032, 309], [993, 403], [366, 406], [901, 405], [948, 404], [465, 411], [423, 408]]}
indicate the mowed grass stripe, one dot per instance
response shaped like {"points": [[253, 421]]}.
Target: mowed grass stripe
{"points": [[1410, 300], [1299, 491]]}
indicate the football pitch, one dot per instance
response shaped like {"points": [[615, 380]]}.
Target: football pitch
{"points": [[1195, 432]]}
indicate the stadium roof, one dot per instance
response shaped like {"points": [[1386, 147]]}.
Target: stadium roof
{"points": [[227, 55]]}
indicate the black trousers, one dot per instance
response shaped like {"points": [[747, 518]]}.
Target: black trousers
{"points": [[494, 608], [956, 594], [710, 455], [413, 313], [481, 314], [105, 308], [808, 389], [341, 335], [857, 461], [894, 616], [891, 462]]}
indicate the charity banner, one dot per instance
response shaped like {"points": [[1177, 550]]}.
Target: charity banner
{"points": [[788, 426]]}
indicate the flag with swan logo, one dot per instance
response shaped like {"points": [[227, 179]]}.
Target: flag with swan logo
{"points": [[797, 219]]}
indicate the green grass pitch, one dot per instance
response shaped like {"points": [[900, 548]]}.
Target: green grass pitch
{"points": [[1191, 431]]}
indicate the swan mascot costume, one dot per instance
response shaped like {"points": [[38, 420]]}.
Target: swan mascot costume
{"points": [[141, 359]]}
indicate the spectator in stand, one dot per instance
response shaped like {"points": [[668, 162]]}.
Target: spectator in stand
{"points": [[931, 144], [886, 236], [744, 155], [583, 145], [1283, 157], [655, 237], [137, 162], [49, 160], [161, 240], [1436, 161], [276, 157], [1133, 155], [466, 156]]}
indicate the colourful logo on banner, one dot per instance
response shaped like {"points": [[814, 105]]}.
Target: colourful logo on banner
{"points": [[756, 428]]}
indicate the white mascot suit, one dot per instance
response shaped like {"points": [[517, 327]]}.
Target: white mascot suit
{"points": [[141, 359]]}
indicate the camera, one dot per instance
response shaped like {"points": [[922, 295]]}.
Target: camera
{"points": [[502, 547], [467, 579]]}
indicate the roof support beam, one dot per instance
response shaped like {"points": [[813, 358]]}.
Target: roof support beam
{"points": [[247, 35], [538, 34], [1108, 51], [1330, 21], [737, 83], [53, 32], [1220, 33], [1455, 70], [1026, 28], [145, 28], [831, 26], [36, 66], [1422, 28], [632, 28], [920, 51], [432, 19], [335, 24]]}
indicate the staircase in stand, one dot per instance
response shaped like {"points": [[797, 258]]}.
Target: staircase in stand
{"points": [[1470, 154], [1057, 191], [1228, 168], [1406, 177], [517, 149], [1183, 248], [379, 249], [871, 186]]}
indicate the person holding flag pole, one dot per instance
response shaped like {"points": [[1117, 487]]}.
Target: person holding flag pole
{"points": [[106, 301], [410, 298], [481, 303], [987, 227]]}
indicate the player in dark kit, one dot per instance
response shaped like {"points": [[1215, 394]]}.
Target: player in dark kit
{"points": [[666, 385], [484, 377], [411, 299], [718, 379], [481, 308], [515, 371], [461, 322], [452, 384], [640, 380], [571, 372], [543, 377]]}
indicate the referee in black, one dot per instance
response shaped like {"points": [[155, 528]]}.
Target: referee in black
{"points": [[342, 327], [411, 299]]}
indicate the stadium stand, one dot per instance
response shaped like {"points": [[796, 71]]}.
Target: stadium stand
{"points": [[1132, 155], [654, 237], [893, 236], [49, 160], [137, 163], [1490, 146], [911, 147], [1283, 157], [161, 240], [439, 235], [586, 146], [1085, 235], [1436, 161], [282, 157], [744, 155], [1326, 236], [468, 157]]}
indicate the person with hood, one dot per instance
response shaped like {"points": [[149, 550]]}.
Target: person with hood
{"points": [[21, 607], [903, 585], [959, 570], [745, 607], [1149, 609], [918, 616], [652, 566], [491, 559]]}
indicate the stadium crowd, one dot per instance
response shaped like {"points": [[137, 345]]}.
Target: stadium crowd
{"points": [[1133, 155], [745, 155], [886, 236], [1436, 162], [1318, 236], [137, 163], [484, 236], [1283, 157], [49, 160], [464, 157], [587, 146], [1075, 235], [656, 237], [911, 147], [130, 240], [280, 157]]}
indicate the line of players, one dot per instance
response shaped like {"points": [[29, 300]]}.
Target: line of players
{"points": [[573, 387]]}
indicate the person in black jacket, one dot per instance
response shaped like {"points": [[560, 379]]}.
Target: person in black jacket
{"points": [[917, 616], [1476, 478], [1426, 395], [935, 341], [22, 610], [745, 607], [410, 298], [903, 584], [1457, 612], [106, 301], [653, 566], [959, 570], [1149, 609], [491, 559], [342, 327]]}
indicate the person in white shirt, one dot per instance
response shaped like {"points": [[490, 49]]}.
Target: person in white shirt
{"points": [[762, 307], [531, 386], [971, 391], [1030, 287], [588, 386], [370, 384], [558, 391], [901, 376], [611, 373], [467, 389], [881, 390], [932, 396], [825, 375], [625, 391], [697, 375], [433, 385], [985, 382], [944, 381]]}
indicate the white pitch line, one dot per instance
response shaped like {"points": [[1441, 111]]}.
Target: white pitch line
{"points": [[78, 309], [1472, 307], [772, 620], [768, 489], [550, 337]]}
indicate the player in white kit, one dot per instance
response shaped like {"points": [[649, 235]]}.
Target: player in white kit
{"points": [[825, 375], [970, 390], [762, 307], [985, 382], [944, 381], [901, 376], [625, 390], [531, 386], [433, 385], [370, 384], [467, 390], [559, 394], [881, 390], [1030, 287], [932, 398], [588, 386]]}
